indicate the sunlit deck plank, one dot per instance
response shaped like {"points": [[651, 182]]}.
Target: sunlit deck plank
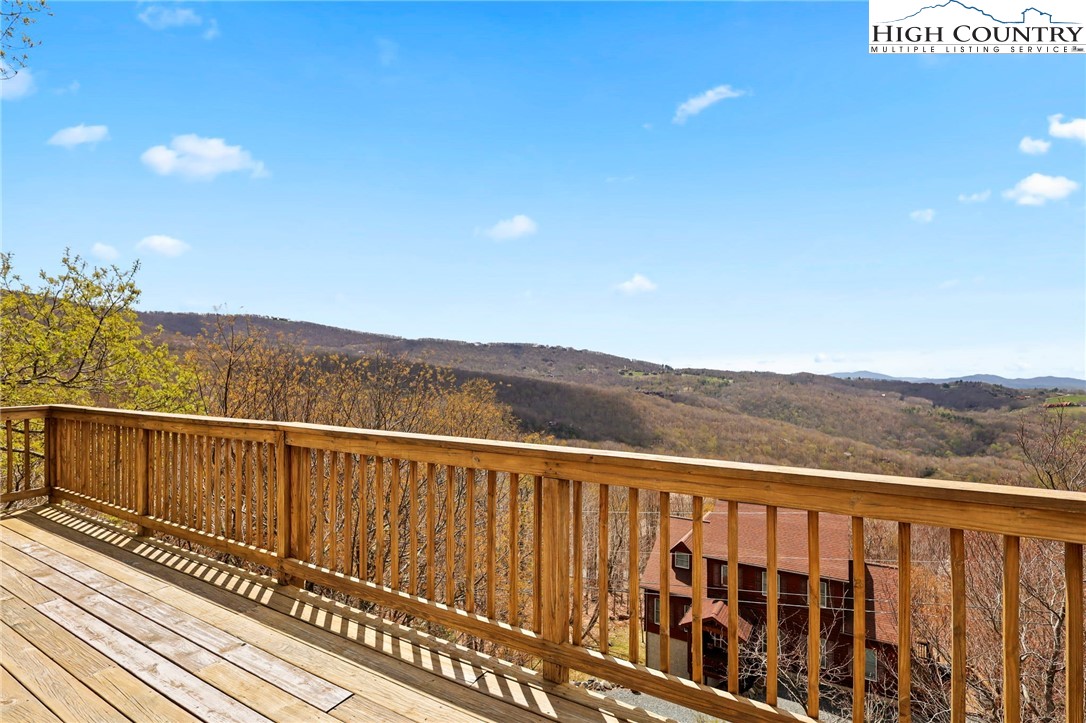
{"points": [[17, 705], [415, 678]]}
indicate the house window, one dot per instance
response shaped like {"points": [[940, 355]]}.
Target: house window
{"points": [[655, 605], [681, 560], [765, 583], [824, 594], [822, 650], [686, 609], [722, 575], [871, 665]]}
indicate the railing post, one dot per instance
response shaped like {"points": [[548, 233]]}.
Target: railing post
{"points": [[52, 456], [283, 482], [554, 561], [143, 477], [296, 478]]}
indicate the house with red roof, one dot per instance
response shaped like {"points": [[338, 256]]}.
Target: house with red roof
{"points": [[835, 575]]}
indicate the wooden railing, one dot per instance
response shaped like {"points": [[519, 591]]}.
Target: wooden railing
{"points": [[489, 538]]}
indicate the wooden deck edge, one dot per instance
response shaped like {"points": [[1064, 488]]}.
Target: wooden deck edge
{"points": [[491, 664]]}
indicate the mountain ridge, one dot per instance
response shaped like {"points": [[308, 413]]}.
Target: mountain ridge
{"points": [[516, 358], [1043, 382]]}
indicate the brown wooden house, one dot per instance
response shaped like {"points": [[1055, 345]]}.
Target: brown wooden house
{"points": [[835, 574]]}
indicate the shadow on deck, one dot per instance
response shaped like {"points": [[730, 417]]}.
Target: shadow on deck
{"points": [[101, 625]]}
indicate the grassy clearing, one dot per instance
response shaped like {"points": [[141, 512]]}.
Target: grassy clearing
{"points": [[1067, 398]]}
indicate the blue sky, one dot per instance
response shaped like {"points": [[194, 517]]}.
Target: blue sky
{"points": [[732, 185]]}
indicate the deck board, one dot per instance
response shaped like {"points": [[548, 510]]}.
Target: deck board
{"points": [[151, 631], [17, 705], [121, 689]]}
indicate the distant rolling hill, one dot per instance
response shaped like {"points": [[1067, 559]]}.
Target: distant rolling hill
{"points": [[1029, 383], [958, 429]]}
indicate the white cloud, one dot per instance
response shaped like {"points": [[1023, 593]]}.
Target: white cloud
{"points": [[1037, 189], [192, 156], [17, 86], [699, 103], [1074, 128], [949, 284], [78, 135], [511, 228], [647, 126], [1033, 146], [387, 52], [923, 215], [105, 251], [637, 284], [158, 17], [979, 197], [72, 87], [165, 245], [161, 17]]}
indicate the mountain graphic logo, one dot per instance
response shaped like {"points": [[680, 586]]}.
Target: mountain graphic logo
{"points": [[1028, 16]]}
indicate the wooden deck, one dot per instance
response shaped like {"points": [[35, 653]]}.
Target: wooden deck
{"points": [[101, 625]]}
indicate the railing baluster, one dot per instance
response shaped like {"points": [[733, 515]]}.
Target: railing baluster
{"points": [[379, 519], [491, 542], [348, 514], [1012, 681], [83, 455], [577, 551], [450, 534], [235, 479], [27, 476], [514, 549], [664, 604], [733, 596], [697, 592], [859, 619], [772, 600], [116, 463], [1072, 572], [814, 616], [143, 477], [602, 566], [957, 615], [537, 543], [469, 557], [413, 526], [209, 487], [321, 508], [395, 500], [333, 509], [904, 621], [255, 492], [283, 485], [299, 505], [431, 527], [9, 458], [195, 487], [633, 586], [363, 518], [263, 491], [398, 498], [184, 471]]}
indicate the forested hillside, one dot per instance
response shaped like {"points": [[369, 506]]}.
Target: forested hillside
{"points": [[960, 430]]}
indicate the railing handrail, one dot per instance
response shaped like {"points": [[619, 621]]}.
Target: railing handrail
{"points": [[1050, 514]]}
